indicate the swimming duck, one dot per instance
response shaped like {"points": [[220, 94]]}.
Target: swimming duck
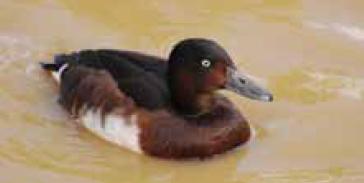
{"points": [[167, 108]]}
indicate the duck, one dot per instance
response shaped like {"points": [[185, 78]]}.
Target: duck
{"points": [[161, 107]]}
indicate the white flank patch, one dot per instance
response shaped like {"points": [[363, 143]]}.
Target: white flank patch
{"points": [[120, 130], [57, 74]]}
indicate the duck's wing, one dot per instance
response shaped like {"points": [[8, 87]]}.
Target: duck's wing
{"points": [[142, 77], [115, 60], [93, 97]]}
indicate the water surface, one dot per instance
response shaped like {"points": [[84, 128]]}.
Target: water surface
{"points": [[310, 53]]}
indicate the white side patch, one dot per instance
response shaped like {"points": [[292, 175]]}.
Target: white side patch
{"points": [[57, 74], [120, 130]]}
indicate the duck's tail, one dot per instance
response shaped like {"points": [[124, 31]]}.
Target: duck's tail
{"points": [[57, 67], [49, 66], [58, 62]]}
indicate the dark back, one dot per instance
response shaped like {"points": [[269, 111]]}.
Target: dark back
{"points": [[141, 77]]}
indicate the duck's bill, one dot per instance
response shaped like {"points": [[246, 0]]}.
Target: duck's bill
{"points": [[245, 86]]}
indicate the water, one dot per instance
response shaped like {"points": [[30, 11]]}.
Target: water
{"points": [[310, 53]]}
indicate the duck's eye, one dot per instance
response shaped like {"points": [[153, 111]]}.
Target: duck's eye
{"points": [[206, 63]]}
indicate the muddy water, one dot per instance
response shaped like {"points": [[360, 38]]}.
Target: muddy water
{"points": [[310, 53]]}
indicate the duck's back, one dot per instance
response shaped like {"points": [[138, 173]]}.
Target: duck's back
{"points": [[141, 77]]}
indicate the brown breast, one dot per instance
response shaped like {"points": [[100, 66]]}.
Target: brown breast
{"points": [[165, 134]]}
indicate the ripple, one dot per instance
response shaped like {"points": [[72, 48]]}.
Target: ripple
{"points": [[14, 48], [352, 31], [346, 86], [304, 176], [314, 86]]}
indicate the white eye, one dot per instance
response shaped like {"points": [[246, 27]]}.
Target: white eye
{"points": [[206, 63]]}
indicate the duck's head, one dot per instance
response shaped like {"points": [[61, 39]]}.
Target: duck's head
{"points": [[199, 67]]}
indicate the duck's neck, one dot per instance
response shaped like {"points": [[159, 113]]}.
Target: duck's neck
{"points": [[186, 98], [192, 105]]}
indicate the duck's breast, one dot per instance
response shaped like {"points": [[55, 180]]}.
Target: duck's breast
{"points": [[169, 135]]}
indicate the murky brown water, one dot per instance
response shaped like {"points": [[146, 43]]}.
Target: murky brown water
{"points": [[311, 53]]}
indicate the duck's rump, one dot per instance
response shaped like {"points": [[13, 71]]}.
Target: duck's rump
{"points": [[93, 97], [141, 77]]}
